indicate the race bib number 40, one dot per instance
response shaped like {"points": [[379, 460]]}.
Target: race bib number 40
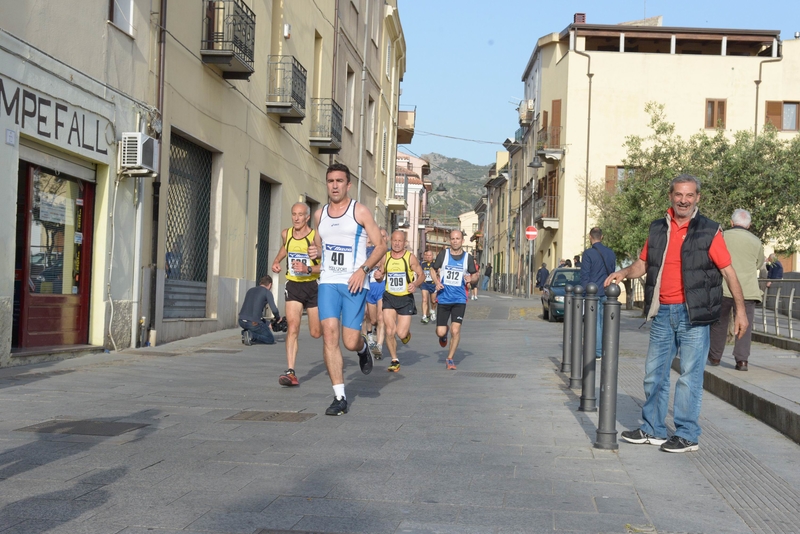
{"points": [[302, 258], [453, 277], [338, 258]]}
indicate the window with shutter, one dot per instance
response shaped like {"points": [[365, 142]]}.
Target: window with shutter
{"points": [[789, 119], [774, 110], [611, 178], [715, 114]]}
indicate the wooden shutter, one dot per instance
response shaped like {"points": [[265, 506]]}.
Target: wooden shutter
{"points": [[720, 122], [555, 136], [544, 120], [611, 178], [774, 111]]}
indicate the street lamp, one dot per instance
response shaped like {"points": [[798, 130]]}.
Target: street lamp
{"points": [[441, 188], [536, 163]]}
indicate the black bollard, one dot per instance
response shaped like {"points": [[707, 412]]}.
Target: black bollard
{"points": [[590, 302], [577, 345], [607, 425], [566, 364]]}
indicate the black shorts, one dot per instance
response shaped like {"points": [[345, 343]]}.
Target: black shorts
{"points": [[403, 305], [445, 311], [303, 292]]}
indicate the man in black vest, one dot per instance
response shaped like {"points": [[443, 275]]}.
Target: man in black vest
{"points": [[685, 259]]}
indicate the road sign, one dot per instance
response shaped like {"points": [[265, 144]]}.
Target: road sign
{"points": [[531, 232]]}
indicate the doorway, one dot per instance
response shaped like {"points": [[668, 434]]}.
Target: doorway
{"points": [[52, 258]]}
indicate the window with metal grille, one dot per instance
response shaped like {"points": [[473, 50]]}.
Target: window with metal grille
{"points": [[188, 214]]}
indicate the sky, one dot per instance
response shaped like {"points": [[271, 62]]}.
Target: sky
{"points": [[465, 58]]}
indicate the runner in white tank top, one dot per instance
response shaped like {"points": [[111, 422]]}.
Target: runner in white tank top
{"points": [[344, 246], [343, 226]]}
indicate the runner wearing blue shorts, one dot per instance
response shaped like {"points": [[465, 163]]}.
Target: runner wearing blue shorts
{"points": [[343, 226], [428, 289], [373, 320]]}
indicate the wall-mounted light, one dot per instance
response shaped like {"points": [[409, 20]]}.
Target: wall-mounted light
{"points": [[536, 163]]}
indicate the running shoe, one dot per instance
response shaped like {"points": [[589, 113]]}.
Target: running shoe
{"points": [[406, 339], [640, 437], [288, 378], [378, 352], [371, 338], [394, 367], [364, 359], [443, 339], [679, 444], [247, 338], [424, 320], [433, 316], [451, 365], [337, 407]]}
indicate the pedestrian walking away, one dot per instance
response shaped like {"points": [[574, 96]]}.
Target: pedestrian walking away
{"points": [[343, 226], [373, 319], [599, 261], [452, 269], [685, 259], [774, 269], [254, 328], [541, 276], [402, 273], [300, 290], [427, 288], [747, 257], [474, 287], [487, 276]]}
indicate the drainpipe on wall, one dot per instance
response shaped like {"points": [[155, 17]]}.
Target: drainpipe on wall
{"points": [[758, 85], [590, 75], [363, 99]]}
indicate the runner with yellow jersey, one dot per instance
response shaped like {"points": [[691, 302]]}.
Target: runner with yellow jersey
{"points": [[402, 272], [300, 291]]}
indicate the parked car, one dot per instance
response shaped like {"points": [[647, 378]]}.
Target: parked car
{"points": [[553, 292]]}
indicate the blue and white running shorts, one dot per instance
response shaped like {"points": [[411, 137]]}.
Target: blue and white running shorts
{"points": [[336, 301], [375, 292]]}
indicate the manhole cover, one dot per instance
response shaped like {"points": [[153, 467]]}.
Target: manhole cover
{"points": [[83, 428], [279, 417], [486, 375], [219, 351]]}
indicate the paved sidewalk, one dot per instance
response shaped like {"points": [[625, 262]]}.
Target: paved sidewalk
{"points": [[495, 447]]}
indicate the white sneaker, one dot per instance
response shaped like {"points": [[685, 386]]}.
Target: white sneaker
{"points": [[433, 316]]}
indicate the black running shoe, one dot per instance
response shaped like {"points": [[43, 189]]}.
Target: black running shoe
{"points": [[365, 358], [337, 407], [679, 444], [640, 437]]}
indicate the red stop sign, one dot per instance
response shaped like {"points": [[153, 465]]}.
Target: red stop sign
{"points": [[531, 232]]}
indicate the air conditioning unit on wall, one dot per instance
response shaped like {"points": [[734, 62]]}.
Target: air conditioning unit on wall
{"points": [[138, 153]]}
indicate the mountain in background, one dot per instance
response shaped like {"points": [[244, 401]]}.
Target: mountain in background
{"points": [[464, 182]]}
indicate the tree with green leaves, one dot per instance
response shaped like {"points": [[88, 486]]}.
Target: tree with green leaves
{"points": [[759, 173]]}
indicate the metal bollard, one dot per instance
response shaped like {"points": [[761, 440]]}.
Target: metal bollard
{"points": [[566, 364], [607, 425], [577, 345], [590, 303]]}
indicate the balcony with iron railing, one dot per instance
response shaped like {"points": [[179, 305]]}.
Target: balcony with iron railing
{"points": [[229, 29], [545, 210], [519, 135], [286, 90], [326, 126], [550, 139]]}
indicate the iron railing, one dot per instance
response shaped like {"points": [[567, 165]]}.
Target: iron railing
{"points": [[778, 313], [326, 119], [287, 81], [545, 208], [550, 138], [229, 25]]}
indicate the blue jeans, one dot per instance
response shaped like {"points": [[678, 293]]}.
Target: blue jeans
{"points": [[485, 284], [671, 333], [599, 345], [259, 332]]}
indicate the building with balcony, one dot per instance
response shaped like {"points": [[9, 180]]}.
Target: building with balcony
{"points": [[226, 113], [587, 87], [411, 188]]}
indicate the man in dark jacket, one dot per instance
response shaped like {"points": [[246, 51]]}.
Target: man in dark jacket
{"points": [[254, 328], [541, 276], [685, 259], [599, 261]]}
